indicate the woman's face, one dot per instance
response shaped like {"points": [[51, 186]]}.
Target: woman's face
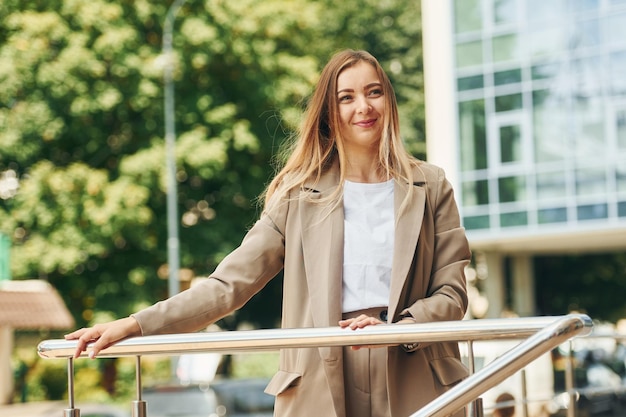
{"points": [[361, 104]]}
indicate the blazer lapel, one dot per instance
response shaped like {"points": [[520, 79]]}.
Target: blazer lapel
{"points": [[322, 245], [408, 225]]}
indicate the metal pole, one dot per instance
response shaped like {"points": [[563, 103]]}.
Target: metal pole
{"points": [[173, 260], [569, 380], [524, 393], [72, 411], [472, 408], [139, 405], [173, 242]]}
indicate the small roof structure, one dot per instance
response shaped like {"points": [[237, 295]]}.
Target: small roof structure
{"points": [[32, 305]]}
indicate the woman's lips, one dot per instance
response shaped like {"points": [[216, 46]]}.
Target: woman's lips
{"points": [[366, 123]]}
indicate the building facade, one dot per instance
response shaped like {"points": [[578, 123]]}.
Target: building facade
{"points": [[526, 110]]}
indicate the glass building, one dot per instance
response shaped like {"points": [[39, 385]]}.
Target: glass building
{"points": [[527, 115]]}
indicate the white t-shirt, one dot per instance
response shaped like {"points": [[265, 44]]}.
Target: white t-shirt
{"points": [[368, 244]]}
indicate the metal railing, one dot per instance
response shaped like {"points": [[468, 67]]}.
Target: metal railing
{"points": [[541, 335]]}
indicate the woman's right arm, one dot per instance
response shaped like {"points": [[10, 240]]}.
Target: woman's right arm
{"points": [[238, 277]]}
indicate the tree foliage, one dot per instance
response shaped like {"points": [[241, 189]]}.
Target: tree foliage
{"points": [[593, 284], [81, 126]]}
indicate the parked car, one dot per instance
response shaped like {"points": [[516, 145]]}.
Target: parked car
{"points": [[196, 400], [243, 397], [598, 391]]}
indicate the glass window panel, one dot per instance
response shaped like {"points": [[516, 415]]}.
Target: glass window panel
{"points": [[586, 33], [467, 15], [469, 54], [545, 71], [590, 181], [507, 77], [592, 211], [505, 48], [620, 177], [589, 118], [519, 218], [587, 76], [584, 5], [550, 121], [476, 222], [616, 28], [473, 135], [617, 69], [620, 128], [552, 215], [470, 83], [512, 189], [504, 11], [509, 102], [475, 193], [510, 144], [621, 209], [551, 185], [545, 11], [546, 42]]}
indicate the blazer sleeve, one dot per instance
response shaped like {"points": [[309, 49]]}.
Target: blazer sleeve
{"points": [[239, 276]]}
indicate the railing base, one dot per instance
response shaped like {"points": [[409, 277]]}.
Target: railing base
{"points": [[139, 409]]}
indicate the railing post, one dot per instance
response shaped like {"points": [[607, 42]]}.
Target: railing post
{"points": [[478, 407], [524, 393], [71, 411], [569, 381], [475, 408], [139, 405]]}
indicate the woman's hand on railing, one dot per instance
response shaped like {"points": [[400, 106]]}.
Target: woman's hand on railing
{"points": [[362, 321], [104, 335]]}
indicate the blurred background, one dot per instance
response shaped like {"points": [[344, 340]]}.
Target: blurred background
{"points": [[522, 102]]}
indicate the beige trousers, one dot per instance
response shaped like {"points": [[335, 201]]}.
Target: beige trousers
{"points": [[365, 376]]}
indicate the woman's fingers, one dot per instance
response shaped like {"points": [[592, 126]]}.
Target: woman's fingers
{"points": [[362, 321], [359, 322], [83, 336], [103, 335]]}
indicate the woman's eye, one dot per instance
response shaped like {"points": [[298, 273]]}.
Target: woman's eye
{"points": [[377, 92], [345, 98]]}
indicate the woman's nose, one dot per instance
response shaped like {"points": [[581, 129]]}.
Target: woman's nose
{"points": [[363, 106]]}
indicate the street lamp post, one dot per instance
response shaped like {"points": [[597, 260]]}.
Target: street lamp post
{"points": [[173, 243]]}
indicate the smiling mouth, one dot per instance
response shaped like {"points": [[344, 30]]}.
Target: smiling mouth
{"points": [[366, 123]]}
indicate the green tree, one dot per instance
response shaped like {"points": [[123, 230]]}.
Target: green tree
{"points": [[77, 97], [81, 116], [81, 124]]}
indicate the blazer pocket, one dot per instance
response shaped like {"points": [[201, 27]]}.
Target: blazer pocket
{"points": [[281, 381], [449, 370]]}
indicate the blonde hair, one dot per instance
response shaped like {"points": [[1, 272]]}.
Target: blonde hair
{"points": [[318, 143]]}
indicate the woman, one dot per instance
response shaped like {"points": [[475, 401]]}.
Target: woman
{"points": [[365, 234]]}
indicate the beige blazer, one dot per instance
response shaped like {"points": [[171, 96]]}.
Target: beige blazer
{"points": [[301, 237]]}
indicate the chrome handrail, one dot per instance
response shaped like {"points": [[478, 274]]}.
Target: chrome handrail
{"points": [[542, 333], [275, 339]]}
